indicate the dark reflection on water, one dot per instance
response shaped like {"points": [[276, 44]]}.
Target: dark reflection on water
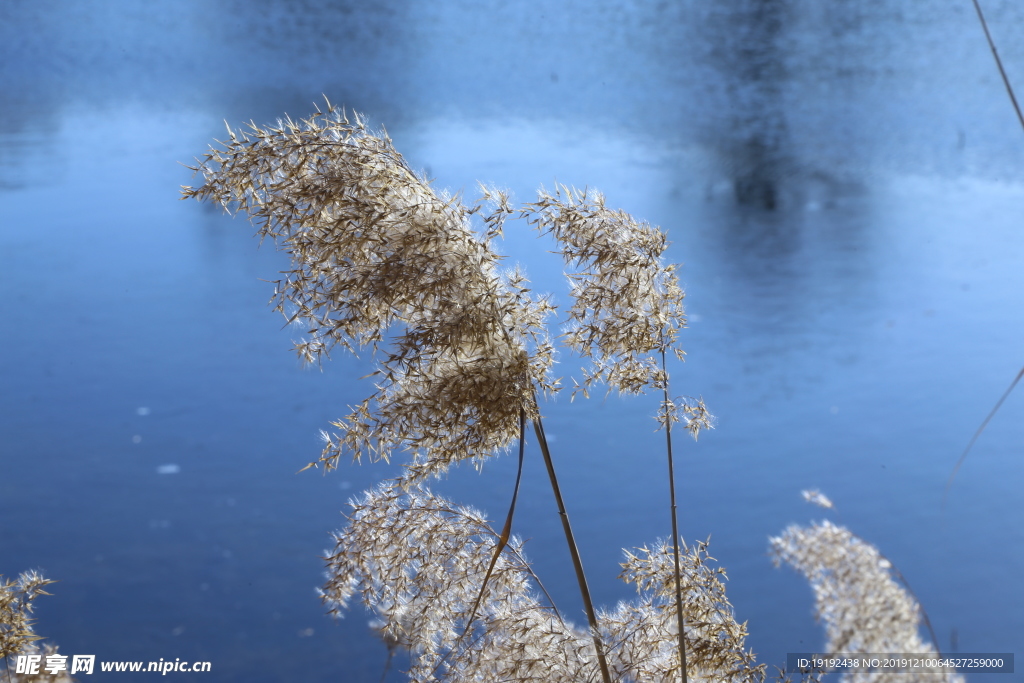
{"points": [[841, 180], [749, 59]]}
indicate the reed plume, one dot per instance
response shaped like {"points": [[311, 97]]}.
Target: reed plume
{"points": [[626, 303], [17, 633], [418, 561], [644, 633], [375, 249], [864, 609]]}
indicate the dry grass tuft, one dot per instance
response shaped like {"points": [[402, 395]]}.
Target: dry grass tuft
{"points": [[864, 609], [17, 636], [375, 249]]}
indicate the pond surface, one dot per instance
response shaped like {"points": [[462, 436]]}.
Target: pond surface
{"points": [[843, 182]]}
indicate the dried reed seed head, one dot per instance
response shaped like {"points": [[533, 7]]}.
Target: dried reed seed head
{"points": [[16, 605], [17, 636], [445, 411], [498, 201], [644, 634], [450, 404], [372, 244], [689, 411], [864, 609], [418, 561], [816, 497], [373, 249], [44, 676], [627, 303]]}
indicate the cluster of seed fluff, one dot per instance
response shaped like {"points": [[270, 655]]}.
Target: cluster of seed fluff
{"points": [[419, 561], [375, 251], [642, 636], [17, 637], [864, 609], [47, 653], [626, 302]]}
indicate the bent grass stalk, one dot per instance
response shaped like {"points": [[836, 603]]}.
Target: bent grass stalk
{"points": [[577, 562], [1009, 390]]}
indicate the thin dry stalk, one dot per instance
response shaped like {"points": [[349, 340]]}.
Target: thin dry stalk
{"points": [[577, 561], [999, 62], [675, 532], [970, 444]]}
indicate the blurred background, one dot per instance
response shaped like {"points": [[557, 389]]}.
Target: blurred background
{"points": [[842, 182]]}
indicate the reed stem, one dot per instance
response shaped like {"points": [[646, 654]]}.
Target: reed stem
{"points": [[999, 63], [588, 604], [680, 621]]}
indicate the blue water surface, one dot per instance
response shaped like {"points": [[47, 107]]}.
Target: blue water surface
{"points": [[842, 182]]}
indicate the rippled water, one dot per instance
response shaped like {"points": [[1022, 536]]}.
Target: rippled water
{"points": [[842, 181]]}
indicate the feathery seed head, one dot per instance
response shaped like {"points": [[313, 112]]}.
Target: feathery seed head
{"points": [[689, 411], [816, 497], [374, 248], [864, 609], [418, 560], [627, 304], [646, 633], [16, 598], [17, 636]]}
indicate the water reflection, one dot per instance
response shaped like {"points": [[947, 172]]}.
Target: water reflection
{"points": [[750, 60], [28, 153]]}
